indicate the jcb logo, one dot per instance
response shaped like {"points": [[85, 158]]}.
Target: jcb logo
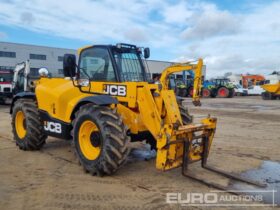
{"points": [[115, 90], [52, 127]]}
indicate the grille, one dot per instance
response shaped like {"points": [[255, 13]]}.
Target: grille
{"points": [[7, 89]]}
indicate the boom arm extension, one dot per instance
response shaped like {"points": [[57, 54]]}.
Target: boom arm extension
{"points": [[196, 68]]}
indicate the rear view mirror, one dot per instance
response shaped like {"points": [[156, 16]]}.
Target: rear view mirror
{"points": [[69, 65], [146, 52]]}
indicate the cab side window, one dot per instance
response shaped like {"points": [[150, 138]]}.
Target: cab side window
{"points": [[19, 83], [96, 64]]}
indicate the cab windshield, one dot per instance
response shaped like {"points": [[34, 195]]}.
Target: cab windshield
{"points": [[129, 64], [6, 76], [96, 64]]}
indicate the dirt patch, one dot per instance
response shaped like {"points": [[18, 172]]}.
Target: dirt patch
{"points": [[51, 178]]}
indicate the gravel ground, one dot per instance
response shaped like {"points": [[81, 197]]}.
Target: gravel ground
{"points": [[247, 134]]}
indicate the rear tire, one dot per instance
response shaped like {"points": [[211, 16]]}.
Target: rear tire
{"points": [[108, 147], [27, 126], [223, 92]]}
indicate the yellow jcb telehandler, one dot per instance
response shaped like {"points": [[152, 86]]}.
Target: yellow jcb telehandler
{"points": [[106, 100]]}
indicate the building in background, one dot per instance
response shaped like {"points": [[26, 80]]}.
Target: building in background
{"points": [[39, 56], [52, 59], [156, 67]]}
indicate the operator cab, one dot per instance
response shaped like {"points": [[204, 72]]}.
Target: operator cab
{"points": [[108, 63], [221, 82], [6, 77]]}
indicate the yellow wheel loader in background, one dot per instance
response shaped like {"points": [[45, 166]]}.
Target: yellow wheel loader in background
{"points": [[104, 102]]}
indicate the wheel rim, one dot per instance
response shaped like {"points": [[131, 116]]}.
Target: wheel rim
{"points": [[206, 93], [20, 124], [89, 140], [222, 92]]}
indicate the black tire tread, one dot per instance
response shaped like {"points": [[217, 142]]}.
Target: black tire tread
{"points": [[35, 137], [208, 95], [115, 148]]}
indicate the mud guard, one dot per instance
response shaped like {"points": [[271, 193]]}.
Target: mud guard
{"points": [[30, 95], [102, 100]]}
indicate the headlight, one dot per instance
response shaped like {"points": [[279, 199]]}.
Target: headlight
{"points": [[83, 82]]}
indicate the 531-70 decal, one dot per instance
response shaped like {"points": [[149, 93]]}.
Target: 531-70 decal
{"points": [[115, 90]]}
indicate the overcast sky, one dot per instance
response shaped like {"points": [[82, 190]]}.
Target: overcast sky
{"points": [[236, 36]]}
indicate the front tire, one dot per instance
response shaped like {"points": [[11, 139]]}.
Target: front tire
{"points": [[27, 125], [100, 139], [206, 93]]}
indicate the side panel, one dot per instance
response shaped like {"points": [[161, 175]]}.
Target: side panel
{"points": [[54, 127], [59, 97], [131, 119]]}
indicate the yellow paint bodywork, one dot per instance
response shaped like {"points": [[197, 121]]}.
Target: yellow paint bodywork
{"points": [[272, 88], [83, 48], [146, 107], [58, 96]]}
